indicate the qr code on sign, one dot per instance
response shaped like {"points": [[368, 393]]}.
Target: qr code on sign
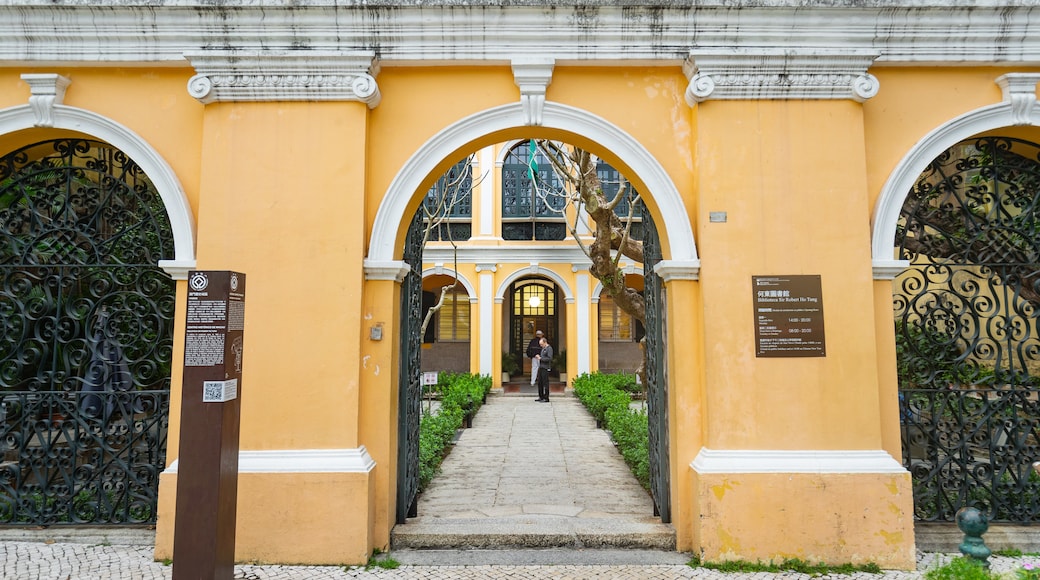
{"points": [[212, 391]]}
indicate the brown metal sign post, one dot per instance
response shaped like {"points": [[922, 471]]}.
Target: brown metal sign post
{"points": [[207, 477]]}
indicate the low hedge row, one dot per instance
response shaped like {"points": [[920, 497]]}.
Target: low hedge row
{"points": [[607, 397], [460, 394]]}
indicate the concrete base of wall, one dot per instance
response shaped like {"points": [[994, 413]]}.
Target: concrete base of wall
{"points": [[946, 537]]}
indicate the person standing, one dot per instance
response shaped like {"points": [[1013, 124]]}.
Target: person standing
{"points": [[544, 361], [534, 348]]}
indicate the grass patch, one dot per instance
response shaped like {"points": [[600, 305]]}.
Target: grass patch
{"points": [[787, 565], [1009, 552]]}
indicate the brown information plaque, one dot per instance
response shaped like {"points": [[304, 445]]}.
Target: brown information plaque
{"points": [[207, 478], [788, 316]]}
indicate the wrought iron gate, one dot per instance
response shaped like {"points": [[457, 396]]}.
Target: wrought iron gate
{"points": [[410, 398], [86, 339], [656, 377], [968, 348]]}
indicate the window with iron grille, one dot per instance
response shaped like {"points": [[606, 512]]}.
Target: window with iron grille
{"points": [[449, 203], [610, 180], [533, 199]]}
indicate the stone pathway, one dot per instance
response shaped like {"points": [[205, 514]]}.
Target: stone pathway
{"points": [[534, 475]]}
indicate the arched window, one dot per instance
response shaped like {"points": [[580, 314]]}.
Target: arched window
{"points": [[532, 196], [449, 204]]}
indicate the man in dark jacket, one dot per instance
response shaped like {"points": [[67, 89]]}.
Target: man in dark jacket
{"points": [[544, 362], [533, 350]]}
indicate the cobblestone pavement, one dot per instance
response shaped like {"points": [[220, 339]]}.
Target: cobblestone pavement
{"points": [[67, 561]]}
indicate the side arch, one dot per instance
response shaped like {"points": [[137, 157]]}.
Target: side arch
{"points": [[1019, 107], [445, 271], [182, 222], [390, 216]]}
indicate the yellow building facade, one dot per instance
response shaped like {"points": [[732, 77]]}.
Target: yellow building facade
{"points": [[294, 142]]}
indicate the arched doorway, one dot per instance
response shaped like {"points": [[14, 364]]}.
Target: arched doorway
{"points": [[87, 335], [534, 306]]}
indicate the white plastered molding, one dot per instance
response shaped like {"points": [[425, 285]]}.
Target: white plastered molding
{"points": [[533, 76], [301, 461], [229, 76], [1017, 108], [394, 270], [45, 91], [178, 210], [889, 269], [670, 270], [765, 74], [177, 269], [799, 461]]}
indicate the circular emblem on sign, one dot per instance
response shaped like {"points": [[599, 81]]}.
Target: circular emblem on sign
{"points": [[234, 282], [198, 281]]}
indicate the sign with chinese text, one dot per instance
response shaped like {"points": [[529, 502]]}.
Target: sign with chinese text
{"points": [[788, 316]]}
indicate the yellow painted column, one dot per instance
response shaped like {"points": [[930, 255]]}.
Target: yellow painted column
{"points": [[280, 200], [799, 442]]}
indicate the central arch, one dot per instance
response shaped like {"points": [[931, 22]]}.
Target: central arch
{"points": [[388, 228]]}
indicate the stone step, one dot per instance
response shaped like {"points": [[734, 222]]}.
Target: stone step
{"points": [[539, 557], [532, 531]]}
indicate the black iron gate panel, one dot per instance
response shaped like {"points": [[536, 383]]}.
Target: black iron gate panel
{"points": [[967, 341], [656, 377], [410, 397], [86, 336]]}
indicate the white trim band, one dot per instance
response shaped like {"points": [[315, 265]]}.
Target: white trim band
{"points": [[799, 461], [889, 269], [301, 461]]}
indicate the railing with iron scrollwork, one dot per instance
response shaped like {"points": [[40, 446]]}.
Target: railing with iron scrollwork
{"points": [[86, 344], [967, 341]]}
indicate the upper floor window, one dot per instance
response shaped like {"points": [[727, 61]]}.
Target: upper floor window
{"points": [[610, 180], [533, 202], [449, 204]]}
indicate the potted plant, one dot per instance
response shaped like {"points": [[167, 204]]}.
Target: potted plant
{"points": [[559, 362], [509, 365]]}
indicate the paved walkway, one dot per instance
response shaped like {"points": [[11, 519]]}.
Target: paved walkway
{"points": [[525, 469], [534, 475]]}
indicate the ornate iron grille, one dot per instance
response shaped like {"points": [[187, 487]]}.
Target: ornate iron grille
{"points": [[86, 341], [410, 399], [967, 341], [656, 379]]}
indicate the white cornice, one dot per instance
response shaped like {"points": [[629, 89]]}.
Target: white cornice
{"points": [[779, 74], [394, 270], [670, 270], [126, 32], [355, 460], [889, 269], [284, 76], [797, 461]]}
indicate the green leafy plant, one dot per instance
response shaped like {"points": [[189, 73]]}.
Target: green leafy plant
{"points": [[509, 363], [1028, 571], [959, 569]]}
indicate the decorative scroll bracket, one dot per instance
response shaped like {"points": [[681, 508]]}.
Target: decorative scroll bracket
{"points": [[792, 74], [533, 77], [1020, 92], [226, 76], [46, 90]]}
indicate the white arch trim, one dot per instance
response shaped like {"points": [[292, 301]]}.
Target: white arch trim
{"points": [[182, 222], [568, 294], [673, 219], [1012, 111], [445, 271]]}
